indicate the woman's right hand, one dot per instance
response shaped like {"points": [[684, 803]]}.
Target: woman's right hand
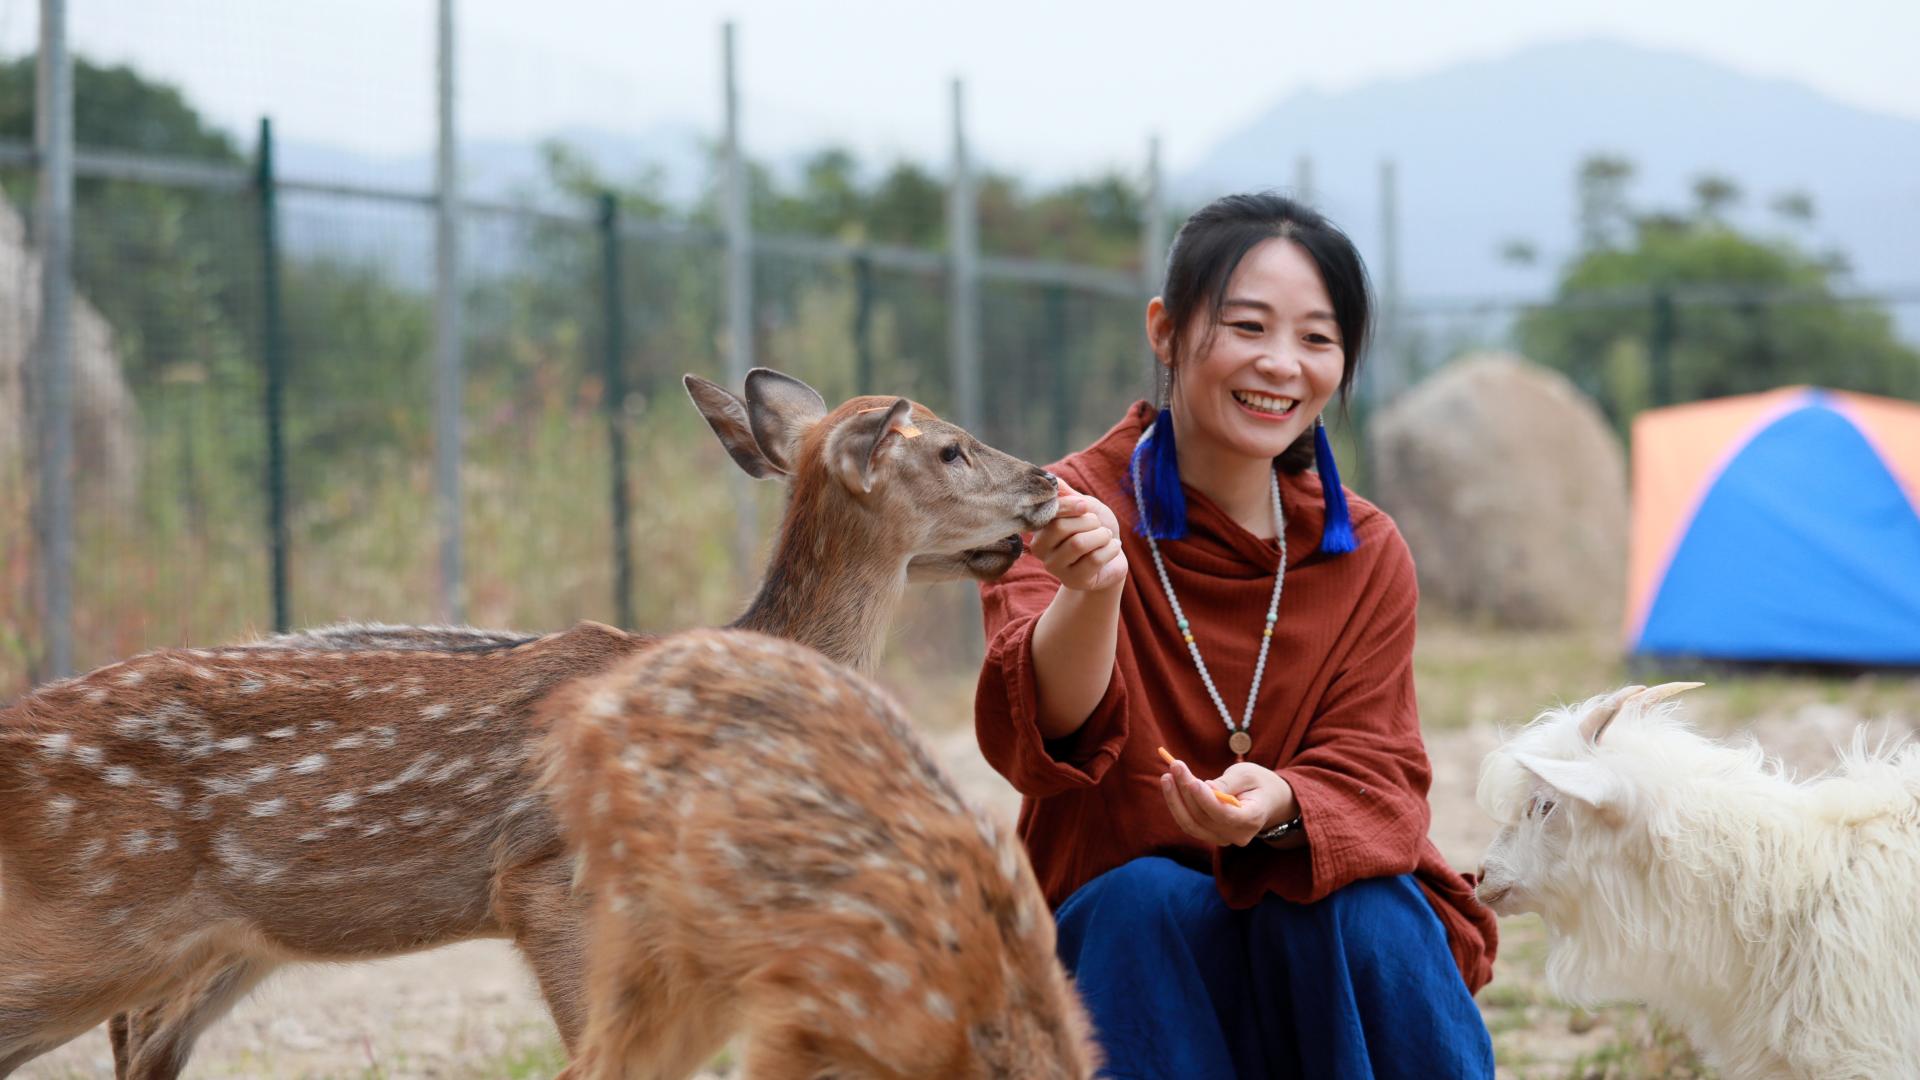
{"points": [[1081, 545]]}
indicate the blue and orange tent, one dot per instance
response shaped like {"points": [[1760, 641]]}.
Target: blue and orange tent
{"points": [[1780, 527]]}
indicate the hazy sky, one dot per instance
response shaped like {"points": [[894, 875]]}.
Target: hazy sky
{"points": [[1052, 88]]}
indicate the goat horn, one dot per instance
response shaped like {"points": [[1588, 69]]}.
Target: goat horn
{"points": [[1595, 722], [1664, 691]]}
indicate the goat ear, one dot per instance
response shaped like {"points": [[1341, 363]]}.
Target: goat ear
{"points": [[859, 446], [1597, 718], [781, 409], [1586, 781], [727, 416]]}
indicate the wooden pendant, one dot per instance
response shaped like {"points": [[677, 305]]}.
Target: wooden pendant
{"points": [[1240, 742]]}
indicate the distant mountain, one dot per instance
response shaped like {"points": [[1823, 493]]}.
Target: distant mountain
{"points": [[1486, 152], [505, 168], [492, 170]]}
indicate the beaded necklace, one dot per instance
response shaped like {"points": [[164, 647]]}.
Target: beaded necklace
{"points": [[1238, 740]]}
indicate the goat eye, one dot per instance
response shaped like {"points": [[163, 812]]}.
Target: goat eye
{"points": [[950, 453]]}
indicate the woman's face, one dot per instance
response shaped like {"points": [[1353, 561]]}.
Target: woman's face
{"points": [[1253, 382]]}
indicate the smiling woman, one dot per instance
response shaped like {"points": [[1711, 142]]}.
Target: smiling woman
{"points": [[1308, 927]]}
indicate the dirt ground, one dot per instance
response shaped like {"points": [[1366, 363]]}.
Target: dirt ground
{"points": [[471, 1011]]}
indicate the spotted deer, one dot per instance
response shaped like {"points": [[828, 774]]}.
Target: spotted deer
{"points": [[768, 849], [176, 826]]}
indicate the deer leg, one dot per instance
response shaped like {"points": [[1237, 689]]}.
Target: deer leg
{"points": [[537, 905], [780, 1054], [161, 1050], [46, 1001], [658, 1024]]}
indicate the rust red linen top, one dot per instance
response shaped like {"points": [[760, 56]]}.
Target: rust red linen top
{"points": [[1336, 714]]}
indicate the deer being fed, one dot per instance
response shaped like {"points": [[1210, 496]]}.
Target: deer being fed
{"points": [[176, 826]]}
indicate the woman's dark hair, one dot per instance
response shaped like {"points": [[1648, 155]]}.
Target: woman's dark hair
{"points": [[1207, 251]]}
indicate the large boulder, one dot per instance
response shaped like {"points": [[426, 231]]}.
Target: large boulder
{"points": [[1511, 489], [105, 417]]}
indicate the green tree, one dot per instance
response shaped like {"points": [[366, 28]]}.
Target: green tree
{"points": [[1693, 308]]}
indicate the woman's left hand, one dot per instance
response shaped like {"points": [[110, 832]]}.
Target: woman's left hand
{"points": [[1265, 798]]}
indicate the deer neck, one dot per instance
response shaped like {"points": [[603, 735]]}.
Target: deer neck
{"points": [[834, 589]]}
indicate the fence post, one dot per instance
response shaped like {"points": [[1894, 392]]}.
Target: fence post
{"points": [[447, 374], [963, 229], [1660, 347], [274, 354], [739, 225], [613, 369], [1390, 374], [1153, 243], [53, 137], [863, 377], [1059, 346]]}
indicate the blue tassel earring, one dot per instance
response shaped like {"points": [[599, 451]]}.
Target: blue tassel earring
{"points": [[1158, 469], [1336, 538]]}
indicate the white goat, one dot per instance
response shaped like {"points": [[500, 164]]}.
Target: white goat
{"points": [[1773, 921]]}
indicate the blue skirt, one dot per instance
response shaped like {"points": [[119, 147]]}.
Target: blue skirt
{"points": [[1360, 985]]}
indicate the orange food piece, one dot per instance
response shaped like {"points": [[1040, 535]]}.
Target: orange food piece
{"points": [[1223, 796]]}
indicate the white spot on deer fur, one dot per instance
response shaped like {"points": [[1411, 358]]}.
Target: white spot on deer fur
{"points": [[387, 735], [351, 742], [136, 842], [414, 816], [477, 785], [169, 842], [312, 763], [243, 863], [223, 785], [235, 744], [60, 813], [54, 744], [893, 975], [938, 1006], [450, 770], [89, 755], [604, 704], [284, 732], [101, 886], [119, 915], [93, 849], [853, 1003], [120, 776], [436, 712], [374, 829], [319, 727], [677, 703], [130, 677], [346, 800], [97, 695], [269, 808], [260, 774], [312, 835]]}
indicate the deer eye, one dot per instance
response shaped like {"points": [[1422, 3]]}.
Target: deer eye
{"points": [[950, 453]]}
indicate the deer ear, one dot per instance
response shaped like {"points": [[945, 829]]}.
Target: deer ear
{"points": [[859, 445], [781, 409], [727, 416]]}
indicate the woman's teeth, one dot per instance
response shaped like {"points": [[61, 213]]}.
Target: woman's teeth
{"points": [[1263, 402]]}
